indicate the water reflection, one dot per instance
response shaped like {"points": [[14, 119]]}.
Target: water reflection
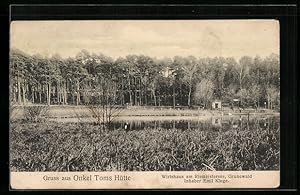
{"points": [[221, 123], [215, 123]]}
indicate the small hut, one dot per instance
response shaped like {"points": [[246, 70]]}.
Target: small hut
{"points": [[217, 104]]}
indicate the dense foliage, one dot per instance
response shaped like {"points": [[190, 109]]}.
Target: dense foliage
{"points": [[83, 147], [142, 80]]}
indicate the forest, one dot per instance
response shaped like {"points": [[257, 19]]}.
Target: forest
{"points": [[139, 80]]}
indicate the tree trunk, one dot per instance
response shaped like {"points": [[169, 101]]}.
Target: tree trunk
{"points": [[35, 93], [135, 99], [78, 93], [240, 80], [165, 98], [58, 91], [61, 93], [141, 90], [19, 90], [65, 93], [146, 100], [129, 88], [189, 97], [159, 100], [122, 86], [32, 94], [180, 92], [14, 94], [40, 93], [174, 100], [154, 97], [48, 93], [61, 97], [23, 93]]}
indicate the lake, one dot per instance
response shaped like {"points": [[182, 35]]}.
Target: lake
{"points": [[180, 122]]}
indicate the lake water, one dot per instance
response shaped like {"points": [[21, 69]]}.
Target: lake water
{"points": [[183, 123], [212, 123]]}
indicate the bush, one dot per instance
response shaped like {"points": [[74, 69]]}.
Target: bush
{"points": [[35, 113]]}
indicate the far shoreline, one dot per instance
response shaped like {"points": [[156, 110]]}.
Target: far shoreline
{"points": [[70, 111]]}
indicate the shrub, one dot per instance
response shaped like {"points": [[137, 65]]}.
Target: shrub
{"points": [[35, 113]]}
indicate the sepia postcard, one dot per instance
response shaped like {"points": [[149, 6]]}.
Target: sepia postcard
{"points": [[144, 104]]}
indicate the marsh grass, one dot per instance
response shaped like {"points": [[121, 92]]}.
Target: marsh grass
{"points": [[68, 147]]}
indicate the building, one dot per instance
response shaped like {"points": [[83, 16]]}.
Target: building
{"points": [[216, 105]]}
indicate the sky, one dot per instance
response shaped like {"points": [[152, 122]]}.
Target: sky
{"points": [[155, 38]]}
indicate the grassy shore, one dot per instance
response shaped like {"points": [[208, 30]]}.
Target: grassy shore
{"points": [[83, 111]]}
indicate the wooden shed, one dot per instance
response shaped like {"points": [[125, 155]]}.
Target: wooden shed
{"points": [[217, 104]]}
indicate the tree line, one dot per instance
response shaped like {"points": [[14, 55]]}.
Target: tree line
{"points": [[140, 80]]}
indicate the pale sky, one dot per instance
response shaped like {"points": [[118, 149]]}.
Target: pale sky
{"points": [[156, 38]]}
